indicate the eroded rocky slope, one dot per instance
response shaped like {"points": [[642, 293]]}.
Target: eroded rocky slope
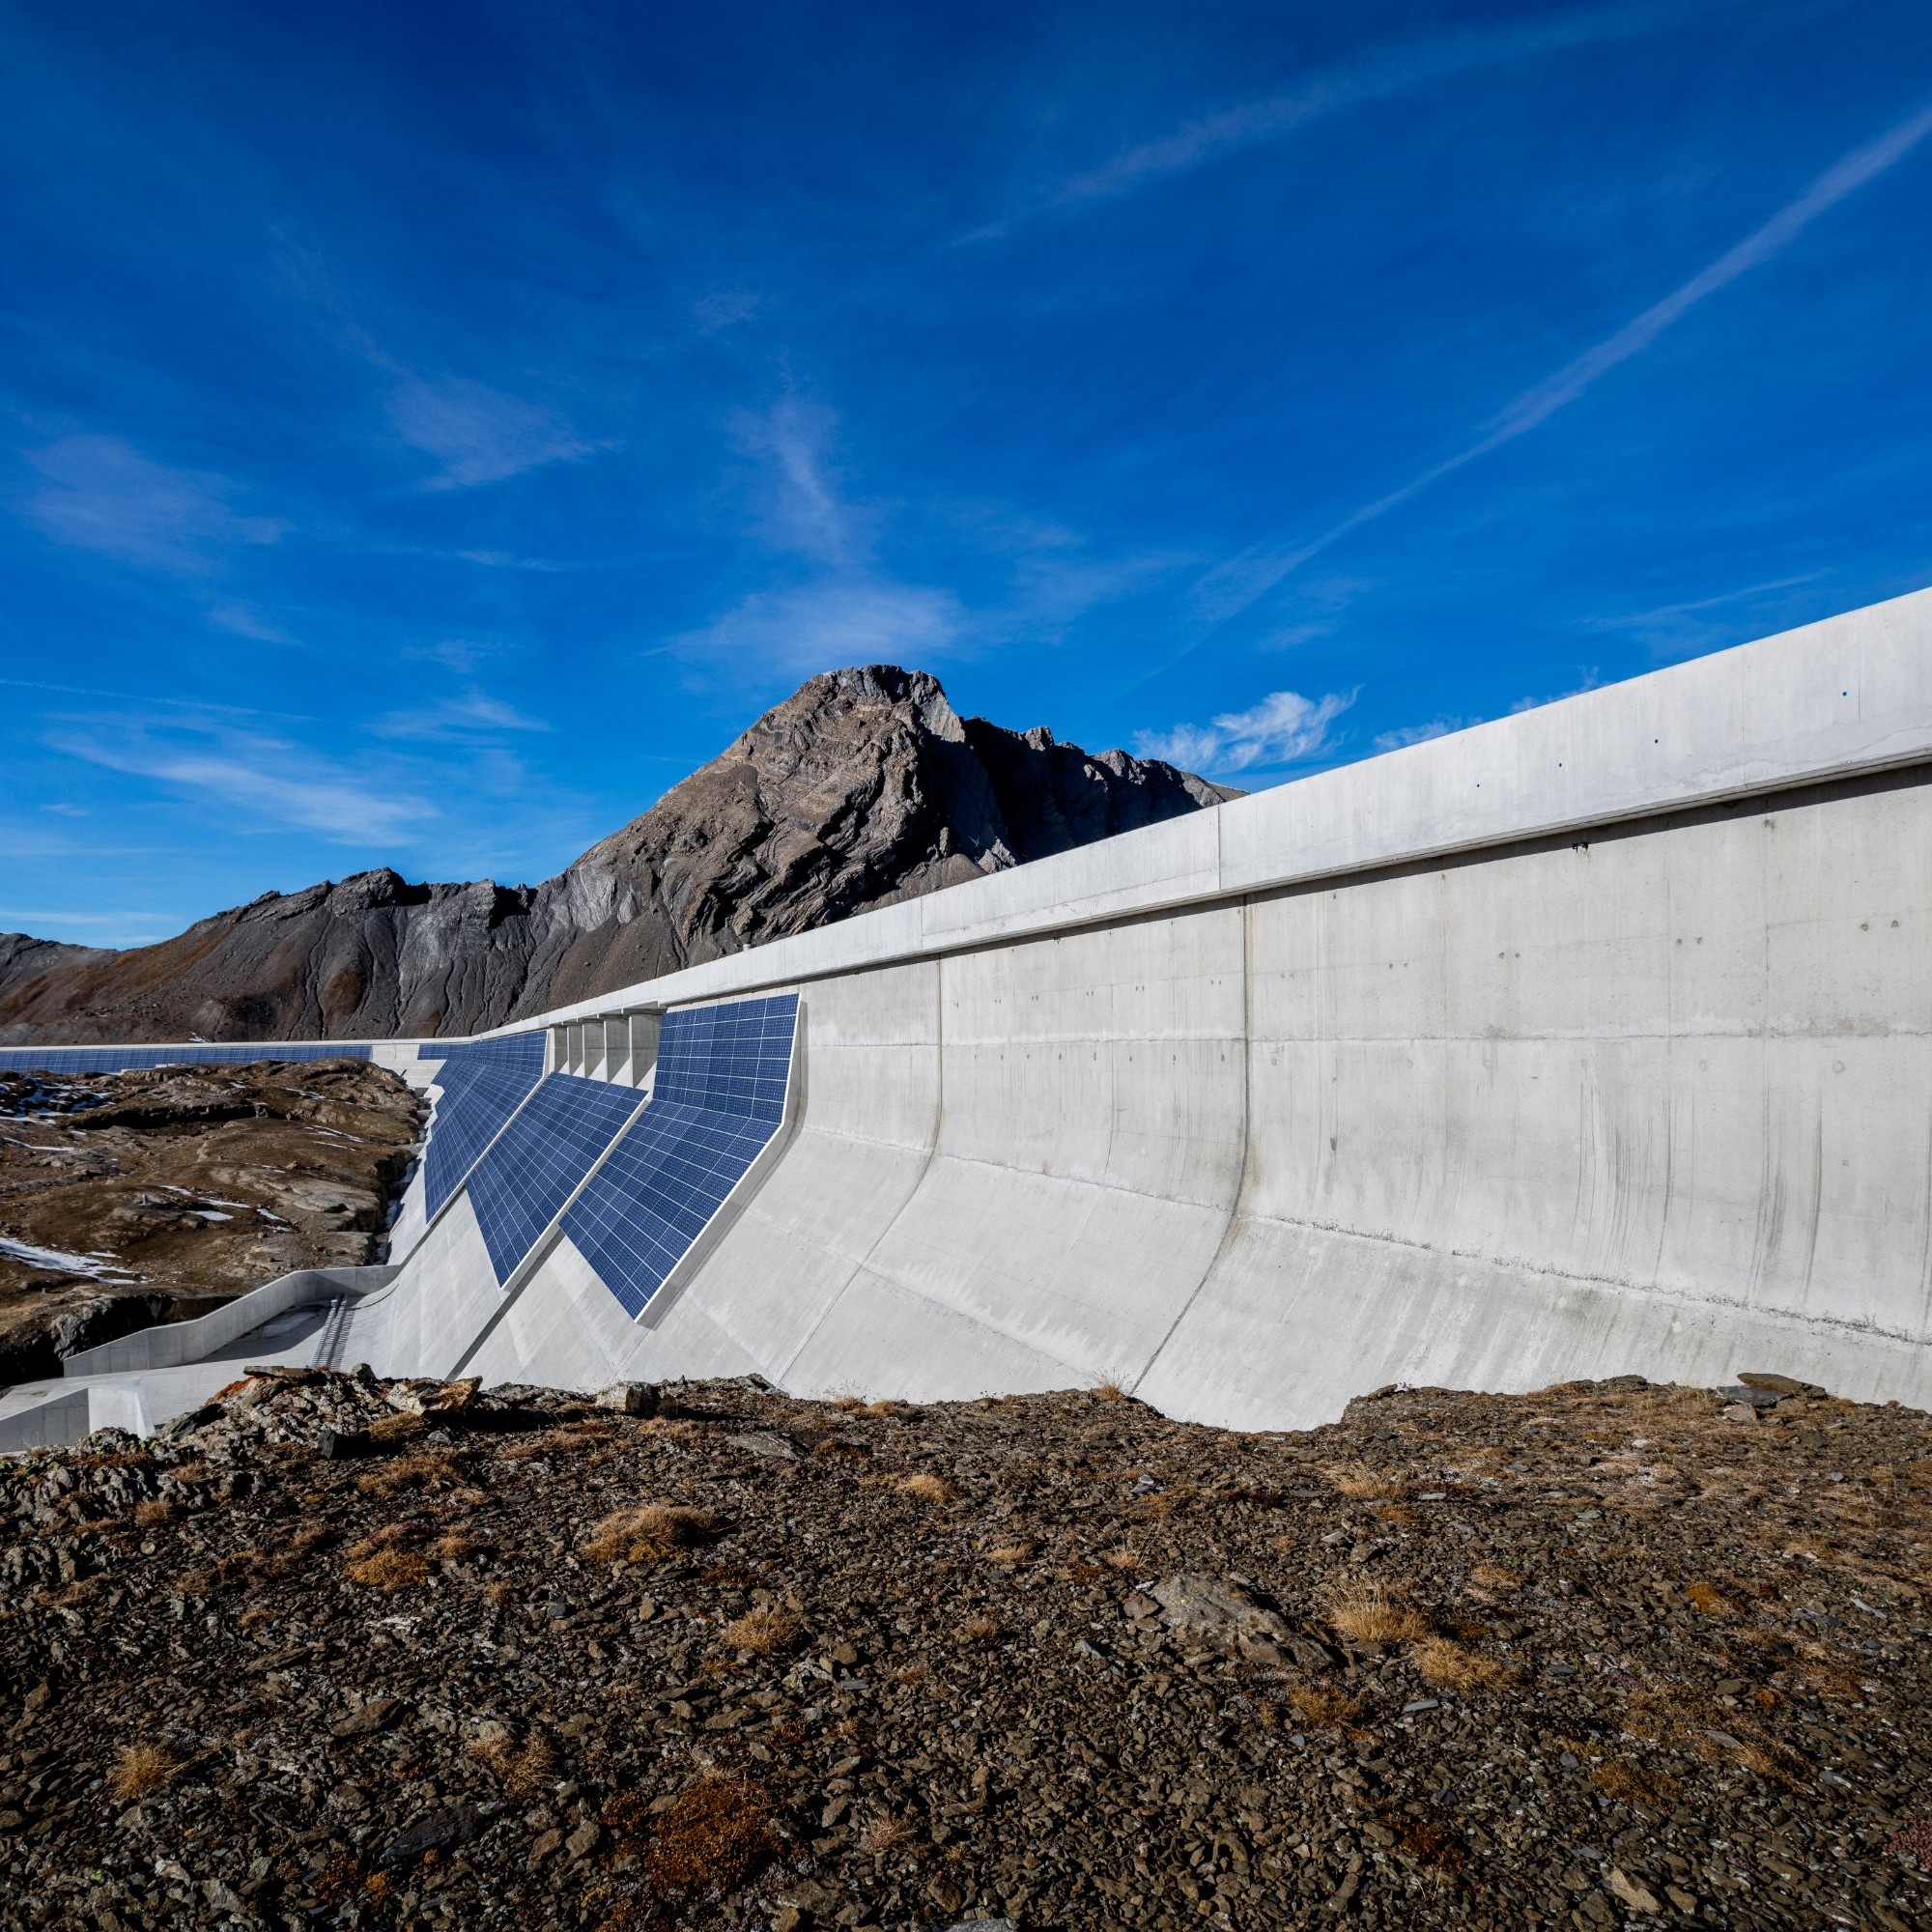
{"points": [[862, 787], [154, 1196], [340, 1652]]}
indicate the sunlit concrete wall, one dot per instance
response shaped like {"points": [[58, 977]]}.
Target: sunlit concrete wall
{"points": [[1589, 1041]]}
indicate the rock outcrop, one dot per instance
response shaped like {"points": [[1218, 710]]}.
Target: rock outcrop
{"points": [[156, 1195], [862, 787]]}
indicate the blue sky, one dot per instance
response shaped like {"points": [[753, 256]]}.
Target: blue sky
{"points": [[427, 433]]}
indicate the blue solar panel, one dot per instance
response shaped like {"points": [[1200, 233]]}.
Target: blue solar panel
{"points": [[483, 1083], [539, 1159], [718, 1100], [195, 1053]]}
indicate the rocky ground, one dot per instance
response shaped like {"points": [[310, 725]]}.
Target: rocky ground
{"points": [[133, 1198], [339, 1652]]}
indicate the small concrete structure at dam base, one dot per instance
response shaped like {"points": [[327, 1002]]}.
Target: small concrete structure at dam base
{"points": [[1594, 1041]]}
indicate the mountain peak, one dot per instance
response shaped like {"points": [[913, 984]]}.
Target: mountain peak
{"points": [[863, 788]]}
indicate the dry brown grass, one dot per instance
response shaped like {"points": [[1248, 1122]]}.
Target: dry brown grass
{"points": [[519, 1767], [717, 1833], [388, 1537], [1708, 1598], [1323, 1704], [980, 1628], [1122, 1559], [293, 1555], [500, 1593], [927, 1488], [397, 1427], [239, 1566], [1451, 1667], [1009, 1554], [765, 1633], [881, 1832], [412, 1472], [1495, 1578], [140, 1771], [1108, 1391], [883, 1408], [671, 1428], [1630, 1783], [1366, 1485], [389, 1569], [452, 1547], [650, 1534], [1763, 1757], [1363, 1609], [149, 1513]]}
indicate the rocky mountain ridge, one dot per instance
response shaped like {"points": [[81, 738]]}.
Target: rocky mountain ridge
{"points": [[862, 788]]}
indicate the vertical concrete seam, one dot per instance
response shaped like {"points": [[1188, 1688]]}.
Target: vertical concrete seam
{"points": [[1236, 1207], [779, 1375]]}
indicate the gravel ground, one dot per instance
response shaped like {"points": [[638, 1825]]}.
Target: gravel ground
{"points": [[128, 1199], [340, 1652]]}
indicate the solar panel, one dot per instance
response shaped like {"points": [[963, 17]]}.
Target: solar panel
{"points": [[483, 1083], [538, 1160], [195, 1053], [719, 1100]]}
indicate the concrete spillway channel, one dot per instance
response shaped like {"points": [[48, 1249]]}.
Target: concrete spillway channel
{"points": [[1596, 1040]]}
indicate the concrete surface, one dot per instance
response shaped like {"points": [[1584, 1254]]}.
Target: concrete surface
{"points": [[1593, 1040]]}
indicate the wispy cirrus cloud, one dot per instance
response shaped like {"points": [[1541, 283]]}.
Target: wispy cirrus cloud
{"points": [[841, 621], [1405, 735], [1677, 630], [1285, 729], [473, 715], [100, 494], [477, 434], [849, 608], [248, 620], [805, 509], [1586, 680], [38, 917], [1270, 119], [263, 782], [1236, 583]]}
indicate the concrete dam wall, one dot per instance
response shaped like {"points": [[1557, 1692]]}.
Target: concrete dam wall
{"points": [[1596, 1039]]}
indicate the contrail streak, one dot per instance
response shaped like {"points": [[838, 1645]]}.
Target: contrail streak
{"points": [[1233, 586]]}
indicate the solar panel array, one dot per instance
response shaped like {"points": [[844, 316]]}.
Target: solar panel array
{"points": [[718, 1101], [536, 1163], [195, 1053], [483, 1083]]}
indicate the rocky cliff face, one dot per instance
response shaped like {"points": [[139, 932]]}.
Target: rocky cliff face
{"points": [[862, 787]]}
